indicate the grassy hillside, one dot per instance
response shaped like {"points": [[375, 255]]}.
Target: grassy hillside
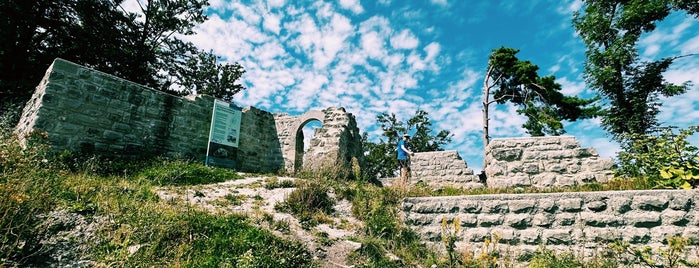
{"points": [[72, 210]]}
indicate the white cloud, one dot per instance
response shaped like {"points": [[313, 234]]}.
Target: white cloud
{"points": [[373, 44], [404, 40], [271, 23], [352, 5], [571, 88]]}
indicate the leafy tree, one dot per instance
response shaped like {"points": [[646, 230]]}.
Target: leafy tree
{"points": [[509, 79], [143, 47], [381, 157], [611, 29], [204, 75]]}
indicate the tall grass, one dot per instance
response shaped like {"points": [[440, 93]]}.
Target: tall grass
{"points": [[27, 189], [135, 227]]}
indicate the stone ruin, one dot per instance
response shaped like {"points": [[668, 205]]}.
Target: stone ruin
{"points": [[541, 162], [87, 111]]}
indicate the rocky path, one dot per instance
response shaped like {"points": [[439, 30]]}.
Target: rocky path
{"points": [[329, 243]]}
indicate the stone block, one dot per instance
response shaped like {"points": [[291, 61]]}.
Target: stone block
{"points": [[543, 220], [530, 236], [661, 233], [518, 221], [594, 219], [674, 217], [557, 237], [643, 219], [498, 207], [596, 206], [565, 219], [619, 204], [570, 204], [476, 234], [650, 202], [681, 201], [489, 220], [470, 206], [548, 205], [522, 206]]}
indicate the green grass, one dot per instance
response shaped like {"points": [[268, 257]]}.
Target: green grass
{"points": [[135, 227], [138, 229]]}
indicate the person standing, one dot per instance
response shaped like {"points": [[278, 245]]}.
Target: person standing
{"points": [[404, 158]]}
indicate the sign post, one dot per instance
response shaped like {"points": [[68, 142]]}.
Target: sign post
{"points": [[224, 135]]}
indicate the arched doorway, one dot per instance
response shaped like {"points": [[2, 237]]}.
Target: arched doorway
{"points": [[304, 135]]}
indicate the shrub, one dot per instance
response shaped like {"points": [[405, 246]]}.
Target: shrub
{"points": [[309, 202], [661, 160]]}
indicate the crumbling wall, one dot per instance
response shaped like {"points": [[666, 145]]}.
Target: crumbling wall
{"points": [[335, 143], [543, 162], [443, 168], [88, 111]]}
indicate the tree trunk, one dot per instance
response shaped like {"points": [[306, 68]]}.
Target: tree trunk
{"points": [[486, 103]]}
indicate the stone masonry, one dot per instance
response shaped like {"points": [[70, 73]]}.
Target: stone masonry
{"points": [[442, 168], [543, 162], [581, 221], [337, 141], [92, 112], [87, 111]]}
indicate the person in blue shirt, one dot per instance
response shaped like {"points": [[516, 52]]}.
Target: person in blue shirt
{"points": [[403, 158]]}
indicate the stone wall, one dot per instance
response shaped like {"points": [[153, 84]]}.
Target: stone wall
{"points": [[442, 168], [88, 111], [543, 162], [582, 221], [337, 141], [260, 150], [92, 112]]}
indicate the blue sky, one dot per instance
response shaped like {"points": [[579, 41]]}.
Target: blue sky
{"points": [[399, 56]]}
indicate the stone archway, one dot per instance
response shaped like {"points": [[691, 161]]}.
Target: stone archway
{"points": [[298, 137], [337, 141]]}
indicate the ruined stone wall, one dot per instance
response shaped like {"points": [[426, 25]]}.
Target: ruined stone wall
{"points": [[543, 162], [337, 141], [442, 168], [92, 112], [260, 150], [581, 221], [88, 111]]}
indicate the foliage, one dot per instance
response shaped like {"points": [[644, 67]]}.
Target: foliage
{"points": [[181, 172], [509, 79], [143, 47], [383, 232], [310, 202], [632, 88], [135, 227], [27, 189], [544, 258], [673, 255], [662, 159], [450, 234], [381, 158]]}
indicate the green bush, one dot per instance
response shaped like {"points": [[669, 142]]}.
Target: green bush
{"points": [[309, 202], [663, 159]]}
